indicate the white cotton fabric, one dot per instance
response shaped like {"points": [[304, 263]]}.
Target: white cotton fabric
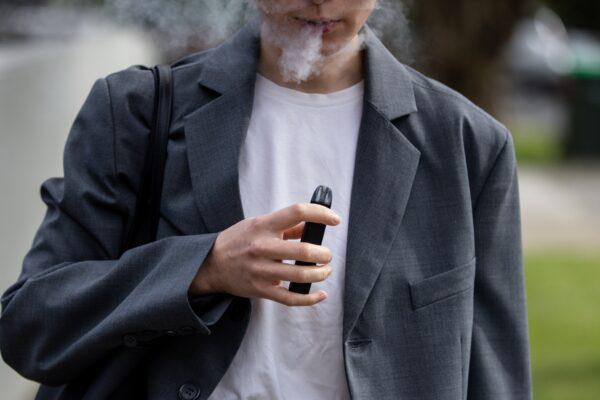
{"points": [[295, 142]]}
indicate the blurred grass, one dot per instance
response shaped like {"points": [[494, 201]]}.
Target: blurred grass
{"points": [[534, 145], [563, 294]]}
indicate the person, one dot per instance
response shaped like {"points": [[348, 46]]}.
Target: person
{"points": [[417, 289]]}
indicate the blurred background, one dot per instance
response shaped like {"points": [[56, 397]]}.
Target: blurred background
{"points": [[534, 65]]}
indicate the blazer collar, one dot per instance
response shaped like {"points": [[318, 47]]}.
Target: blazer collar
{"points": [[388, 86], [385, 167]]}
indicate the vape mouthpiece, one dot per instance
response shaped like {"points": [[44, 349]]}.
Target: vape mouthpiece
{"points": [[322, 195]]}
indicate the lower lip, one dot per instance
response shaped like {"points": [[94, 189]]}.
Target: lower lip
{"points": [[325, 28]]}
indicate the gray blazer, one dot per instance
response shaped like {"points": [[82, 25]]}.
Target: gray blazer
{"points": [[434, 301]]}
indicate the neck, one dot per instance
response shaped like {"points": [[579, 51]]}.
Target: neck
{"points": [[336, 72]]}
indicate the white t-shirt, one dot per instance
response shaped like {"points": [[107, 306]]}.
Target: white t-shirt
{"points": [[295, 142]]}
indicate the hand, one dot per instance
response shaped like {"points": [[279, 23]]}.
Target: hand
{"points": [[246, 258]]}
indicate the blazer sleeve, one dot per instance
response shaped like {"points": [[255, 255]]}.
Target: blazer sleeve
{"points": [[499, 365], [77, 297]]}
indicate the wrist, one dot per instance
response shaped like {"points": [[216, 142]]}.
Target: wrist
{"points": [[206, 279]]}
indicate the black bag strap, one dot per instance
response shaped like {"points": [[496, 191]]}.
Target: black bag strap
{"points": [[125, 363], [145, 222]]}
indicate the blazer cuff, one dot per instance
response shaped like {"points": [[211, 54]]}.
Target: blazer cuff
{"points": [[210, 307]]}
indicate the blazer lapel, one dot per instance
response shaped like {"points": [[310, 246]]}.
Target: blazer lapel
{"points": [[385, 167], [215, 132], [214, 135]]}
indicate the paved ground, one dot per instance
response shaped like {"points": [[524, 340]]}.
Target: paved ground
{"points": [[561, 206]]}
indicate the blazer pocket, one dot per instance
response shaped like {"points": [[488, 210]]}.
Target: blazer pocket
{"points": [[442, 286]]}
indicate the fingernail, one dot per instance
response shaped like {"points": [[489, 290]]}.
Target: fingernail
{"points": [[336, 219], [323, 295]]}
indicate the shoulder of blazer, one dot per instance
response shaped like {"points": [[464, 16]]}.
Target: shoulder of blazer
{"points": [[452, 106], [131, 93], [458, 127], [131, 89]]}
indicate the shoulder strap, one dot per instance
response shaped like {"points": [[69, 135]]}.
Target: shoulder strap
{"points": [[145, 223]]}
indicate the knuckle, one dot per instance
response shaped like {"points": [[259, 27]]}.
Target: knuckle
{"points": [[285, 300], [302, 275], [256, 248], [304, 251], [257, 286], [269, 295], [254, 270], [247, 275], [262, 270], [291, 300], [308, 300], [257, 222], [318, 275], [299, 209]]}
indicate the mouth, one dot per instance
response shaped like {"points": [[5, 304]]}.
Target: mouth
{"points": [[324, 25]]}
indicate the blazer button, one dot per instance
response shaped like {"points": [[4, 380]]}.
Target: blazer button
{"points": [[130, 340], [170, 333], [188, 391]]}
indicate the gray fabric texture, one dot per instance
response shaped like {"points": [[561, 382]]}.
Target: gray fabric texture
{"points": [[434, 300]]}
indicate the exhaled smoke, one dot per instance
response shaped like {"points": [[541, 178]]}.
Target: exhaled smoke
{"points": [[196, 24], [302, 49], [390, 23], [300, 53], [184, 24]]}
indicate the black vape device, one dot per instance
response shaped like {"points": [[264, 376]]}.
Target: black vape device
{"points": [[312, 233]]}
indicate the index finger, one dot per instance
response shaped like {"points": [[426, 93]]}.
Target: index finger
{"points": [[287, 217]]}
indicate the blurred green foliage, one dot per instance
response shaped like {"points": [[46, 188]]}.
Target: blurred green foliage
{"points": [[533, 145], [563, 295]]}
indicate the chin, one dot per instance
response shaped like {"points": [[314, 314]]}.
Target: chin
{"points": [[334, 45]]}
